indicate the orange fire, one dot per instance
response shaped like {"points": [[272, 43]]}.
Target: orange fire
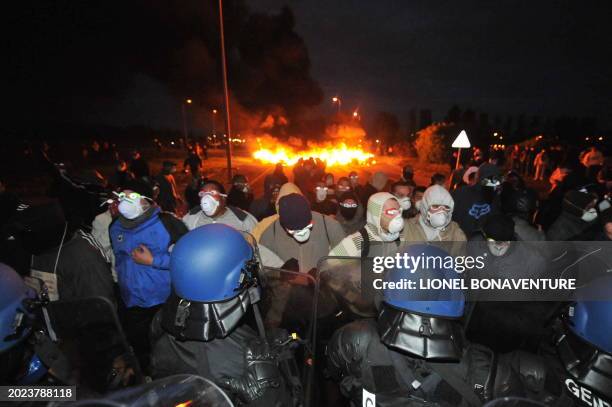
{"points": [[333, 155]]}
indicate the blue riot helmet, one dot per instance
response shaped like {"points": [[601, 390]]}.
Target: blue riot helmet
{"points": [[591, 318], [423, 322], [15, 326], [13, 312], [214, 281], [584, 342], [209, 263]]}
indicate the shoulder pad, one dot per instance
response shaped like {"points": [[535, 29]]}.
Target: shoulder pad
{"points": [[348, 346]]}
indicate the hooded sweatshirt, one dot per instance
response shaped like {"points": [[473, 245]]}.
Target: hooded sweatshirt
{"points": [[418, 228], [352, 244]]}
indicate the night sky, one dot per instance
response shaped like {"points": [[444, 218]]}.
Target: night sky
{"points": [[547, 58], [533, 57]]}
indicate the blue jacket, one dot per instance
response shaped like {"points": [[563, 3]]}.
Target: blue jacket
{"points": [[140, 285]]}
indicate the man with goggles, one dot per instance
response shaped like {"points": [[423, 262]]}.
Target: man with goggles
{"points": [[141, 238], [213, 208]]}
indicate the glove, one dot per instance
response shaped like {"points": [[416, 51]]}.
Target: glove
{"points": [[262, 373]]}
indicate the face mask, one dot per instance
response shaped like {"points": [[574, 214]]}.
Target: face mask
{"points": [[389, 237], [209, 205], [417, 205], [347, 213], [321, 194], [130, 210], [301, 236], [396, 225], [498, 250], [438, 220], [590, 215], [404, 203]]}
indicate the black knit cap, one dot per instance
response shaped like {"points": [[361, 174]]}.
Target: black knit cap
{"points": [[294, 212], [500, 228]]}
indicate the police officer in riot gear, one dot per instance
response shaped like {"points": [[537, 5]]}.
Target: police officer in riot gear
{"points": [[209, 325], [414, 353], [580, 352]]}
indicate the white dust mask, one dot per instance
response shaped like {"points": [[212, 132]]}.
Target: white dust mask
{"points": [[590, 215], [438, 220], [209, 205], [130, 209], [404, 203], [396, 224]]}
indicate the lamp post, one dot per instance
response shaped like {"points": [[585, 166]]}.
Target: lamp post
{"points": [[338, 102], [213, 116], [226, 93], [183, 103]]}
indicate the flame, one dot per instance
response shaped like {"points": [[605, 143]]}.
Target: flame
{"points": [[333, 155]]}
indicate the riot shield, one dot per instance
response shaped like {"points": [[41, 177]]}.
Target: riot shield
{"points": [[179, 390], [89, 334]]}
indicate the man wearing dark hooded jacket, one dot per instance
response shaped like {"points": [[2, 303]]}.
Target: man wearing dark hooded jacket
{"points": [[578, 215], [74, 257], [518, 325], [475, 203]]}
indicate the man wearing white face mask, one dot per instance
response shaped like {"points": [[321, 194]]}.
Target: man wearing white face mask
{"points": [[141, 238], [214, 209], [403, 190], [299, 234], [384, 224], [433, 223], [504, 257], [379, 237], [578, 214]]}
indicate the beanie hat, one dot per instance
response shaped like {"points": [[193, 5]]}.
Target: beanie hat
{"points": [[500, 228], [294, 212]]}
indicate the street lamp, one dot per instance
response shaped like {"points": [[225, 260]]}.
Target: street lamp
{"points": [[214, 114], [337, 101], [183, 103]]}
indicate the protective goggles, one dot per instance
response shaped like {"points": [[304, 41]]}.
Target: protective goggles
{"points": [[392, 212], [132, 197], [348, 205], [213, 193], [322, 188], [298, 231], [498, 242]]}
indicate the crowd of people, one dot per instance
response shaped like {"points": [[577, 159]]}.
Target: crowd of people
{"points": [[178, 268]]}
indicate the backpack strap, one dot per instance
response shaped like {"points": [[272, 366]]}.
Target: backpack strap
{"points": [[240, 214], [174, 226], [326, 232], [365, 244]]}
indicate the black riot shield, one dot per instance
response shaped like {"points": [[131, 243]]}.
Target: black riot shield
{"points": [[286, 306], [89, 334], [179, 390]]}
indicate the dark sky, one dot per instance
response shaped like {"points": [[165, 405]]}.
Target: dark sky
{"points": [[533, 57], [540, 57]]}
